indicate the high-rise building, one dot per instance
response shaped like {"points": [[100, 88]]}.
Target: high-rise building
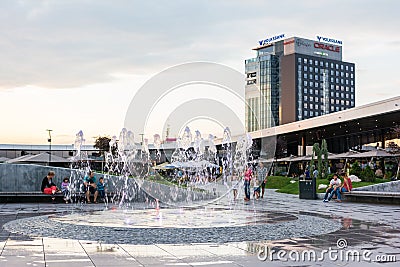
{"points": [[295, 79]]}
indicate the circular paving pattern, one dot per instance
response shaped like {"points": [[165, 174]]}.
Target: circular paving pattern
{"points": [[173, 226]]}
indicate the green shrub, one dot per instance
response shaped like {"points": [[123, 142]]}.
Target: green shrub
{"points": [[367, 175], [388, 175], [355, 169]]}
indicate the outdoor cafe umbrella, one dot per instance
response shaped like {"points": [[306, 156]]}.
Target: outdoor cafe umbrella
{"points": [[373, 154], [345, 155]]}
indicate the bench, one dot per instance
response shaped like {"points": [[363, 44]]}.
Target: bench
{"points": [[373, 197], [39, 197], [26, 197]]}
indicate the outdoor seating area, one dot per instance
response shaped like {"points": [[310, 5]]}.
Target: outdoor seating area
{"points": [[294, 166]]}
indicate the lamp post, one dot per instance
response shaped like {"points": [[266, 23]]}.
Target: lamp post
{"points": [[142, 134], [49, 140]]}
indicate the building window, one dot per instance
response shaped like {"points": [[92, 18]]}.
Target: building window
{"points": [[316, 84], [311, 113], [347, 67], [305, 68], [305, 83], [305, 61], [311, 69], [305, 98], [316, 77], [305, 75], [351, 68], [351, 75], [321, 64], [305, 105], [299, 60], [316, 62], [311, 61], [305, 113], [332, 65]]}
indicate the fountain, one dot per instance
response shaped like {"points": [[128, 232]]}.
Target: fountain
{"points": [[192, 204]]}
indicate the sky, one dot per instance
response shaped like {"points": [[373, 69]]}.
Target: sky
{"points": [[76, 65]]}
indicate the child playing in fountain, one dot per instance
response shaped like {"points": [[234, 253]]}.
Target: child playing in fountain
{"points": [[257, 189], [101, 188], [65, 189]]}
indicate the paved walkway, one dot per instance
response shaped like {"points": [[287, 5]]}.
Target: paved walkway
{"points": [[366, 227]]}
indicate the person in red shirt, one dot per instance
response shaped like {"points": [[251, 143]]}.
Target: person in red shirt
{"points": [[248, 174], [347, 186]]}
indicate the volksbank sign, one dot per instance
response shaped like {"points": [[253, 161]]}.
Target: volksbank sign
{"points": [[329, 40], [271, 39]]}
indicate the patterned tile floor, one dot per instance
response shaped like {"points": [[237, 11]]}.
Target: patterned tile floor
{"points": [[366, 228]]}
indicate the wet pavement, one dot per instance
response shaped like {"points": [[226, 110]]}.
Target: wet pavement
{"points": [[371, 230]]}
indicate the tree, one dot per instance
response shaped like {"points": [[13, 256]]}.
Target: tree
{"points": [[322, 165], [324, 151], [102, 143], [355, 169], [367, 175]]}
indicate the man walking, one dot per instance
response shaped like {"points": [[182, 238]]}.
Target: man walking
{"points": [[262, 177]]}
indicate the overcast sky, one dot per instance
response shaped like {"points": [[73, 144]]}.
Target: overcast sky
{"points": [[72, 65]]}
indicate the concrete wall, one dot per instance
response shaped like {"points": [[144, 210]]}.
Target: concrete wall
{"points": [[28, 178], [393, 186]]}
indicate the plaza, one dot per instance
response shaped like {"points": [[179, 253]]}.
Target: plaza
{"points": [[285, 223]]}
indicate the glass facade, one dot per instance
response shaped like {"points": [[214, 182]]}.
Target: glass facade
{"points": [[262, 75]]}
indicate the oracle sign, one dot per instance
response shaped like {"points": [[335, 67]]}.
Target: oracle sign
{"points": [[328, 47], [312, 48]]}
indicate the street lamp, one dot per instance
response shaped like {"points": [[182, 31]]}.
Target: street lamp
{"points": [[49, 140]]}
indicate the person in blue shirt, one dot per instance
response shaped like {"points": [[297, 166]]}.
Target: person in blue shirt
{"points": [[90, 186], [101, 188]]}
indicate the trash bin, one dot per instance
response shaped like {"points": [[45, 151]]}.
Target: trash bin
{"points": [[307, 189]]}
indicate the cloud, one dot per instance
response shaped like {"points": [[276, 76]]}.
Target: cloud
{"points": [[58, 44]]}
